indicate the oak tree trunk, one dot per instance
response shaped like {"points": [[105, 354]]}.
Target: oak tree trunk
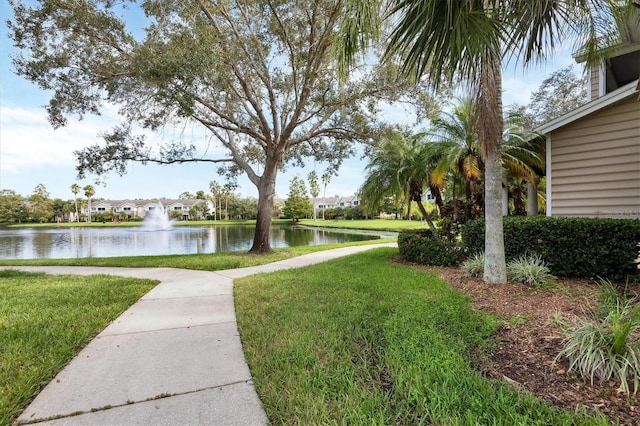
{"points": [[266, 193]]}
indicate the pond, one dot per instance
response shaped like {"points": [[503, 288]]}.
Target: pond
{"points": [[49, 243]]}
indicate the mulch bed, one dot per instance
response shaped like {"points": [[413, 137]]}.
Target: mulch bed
{"points": [[527, 347]]}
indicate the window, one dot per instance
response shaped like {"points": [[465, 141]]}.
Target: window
{"points": [[621, 70]]}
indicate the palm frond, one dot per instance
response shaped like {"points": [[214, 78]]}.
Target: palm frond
{"points": [[432, 38]]}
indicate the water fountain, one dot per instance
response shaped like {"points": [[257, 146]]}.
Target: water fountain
{"points": [[157, 220]]}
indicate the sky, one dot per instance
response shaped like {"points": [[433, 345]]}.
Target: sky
{"points": [[33, 153]]}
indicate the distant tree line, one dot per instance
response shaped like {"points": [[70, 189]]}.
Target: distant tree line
{"points": [[39, 207]]}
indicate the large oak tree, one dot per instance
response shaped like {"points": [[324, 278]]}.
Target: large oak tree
{"points": [[258, 76]]}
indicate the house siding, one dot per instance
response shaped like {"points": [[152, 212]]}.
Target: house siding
{"points": [[595, 164], [594, 82]]}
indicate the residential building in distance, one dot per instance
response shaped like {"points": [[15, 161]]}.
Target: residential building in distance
{"points": [[181, 209]]}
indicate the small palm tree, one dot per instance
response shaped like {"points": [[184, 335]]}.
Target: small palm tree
{"points": [[314, 189], [460, 155], [523, 161], [75, 188], [89, 192], [216, 193], [458, 150], [326, 178], [401, 167]]}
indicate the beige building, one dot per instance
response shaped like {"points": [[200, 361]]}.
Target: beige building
{"points": [[593, 152], [180, 209]]}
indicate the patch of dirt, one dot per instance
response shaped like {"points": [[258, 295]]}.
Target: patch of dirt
{"points": [[530, 340]]}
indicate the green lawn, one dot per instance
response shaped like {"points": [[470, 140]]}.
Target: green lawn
{"points": [[360, 340], [45, 320], [357, 340], [205, 262], [389, 225]]}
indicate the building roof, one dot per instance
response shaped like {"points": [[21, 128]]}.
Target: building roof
{"points": [[616, 96]]}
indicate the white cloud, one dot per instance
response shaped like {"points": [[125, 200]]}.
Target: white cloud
{"points": [[27, 140]]}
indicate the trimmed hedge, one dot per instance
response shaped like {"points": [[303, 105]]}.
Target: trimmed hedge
{"points": [[572, 247], [419, 246]]}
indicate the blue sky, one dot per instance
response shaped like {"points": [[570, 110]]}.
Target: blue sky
{"points": [[32, 153]]}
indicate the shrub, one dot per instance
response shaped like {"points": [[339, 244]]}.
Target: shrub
{"points": [[530, 270], [609, 347], [420, 246], [474, 266], [575, 247]]}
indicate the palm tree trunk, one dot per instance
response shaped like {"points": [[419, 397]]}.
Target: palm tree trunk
{"points": [[454, 200], [427, 217], [490, 127], [468, 197], [435, 191], [532, 199]]}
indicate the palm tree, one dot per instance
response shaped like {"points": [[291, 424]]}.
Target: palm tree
{"points": [[75, 188], [89, 191], [460, 156], [466, 41], [227, 189], [216, 192], [399, 167], [458, 150], [314, 189], [326, 178], [522, 160]]}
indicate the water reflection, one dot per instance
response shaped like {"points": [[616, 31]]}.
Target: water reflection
{"points": [[31, 243]]}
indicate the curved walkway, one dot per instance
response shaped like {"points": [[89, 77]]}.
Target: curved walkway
{"points": [[173, 358]]}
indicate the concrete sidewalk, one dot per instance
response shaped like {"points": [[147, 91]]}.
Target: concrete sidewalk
{"points": [[173, 358]]}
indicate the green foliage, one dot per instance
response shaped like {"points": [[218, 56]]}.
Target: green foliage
{"points": [[422, 247], [297, 204], [561, 92], [455, 213], [607, 345], [572, 247], [529, 269], [399, 168], [388, 345], [40, 205], [13, 208], [347, 213], [473, 266]]}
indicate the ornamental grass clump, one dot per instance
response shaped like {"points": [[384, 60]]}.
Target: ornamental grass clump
{"points": [[473, 267], [530, 270], [606, 346]]}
